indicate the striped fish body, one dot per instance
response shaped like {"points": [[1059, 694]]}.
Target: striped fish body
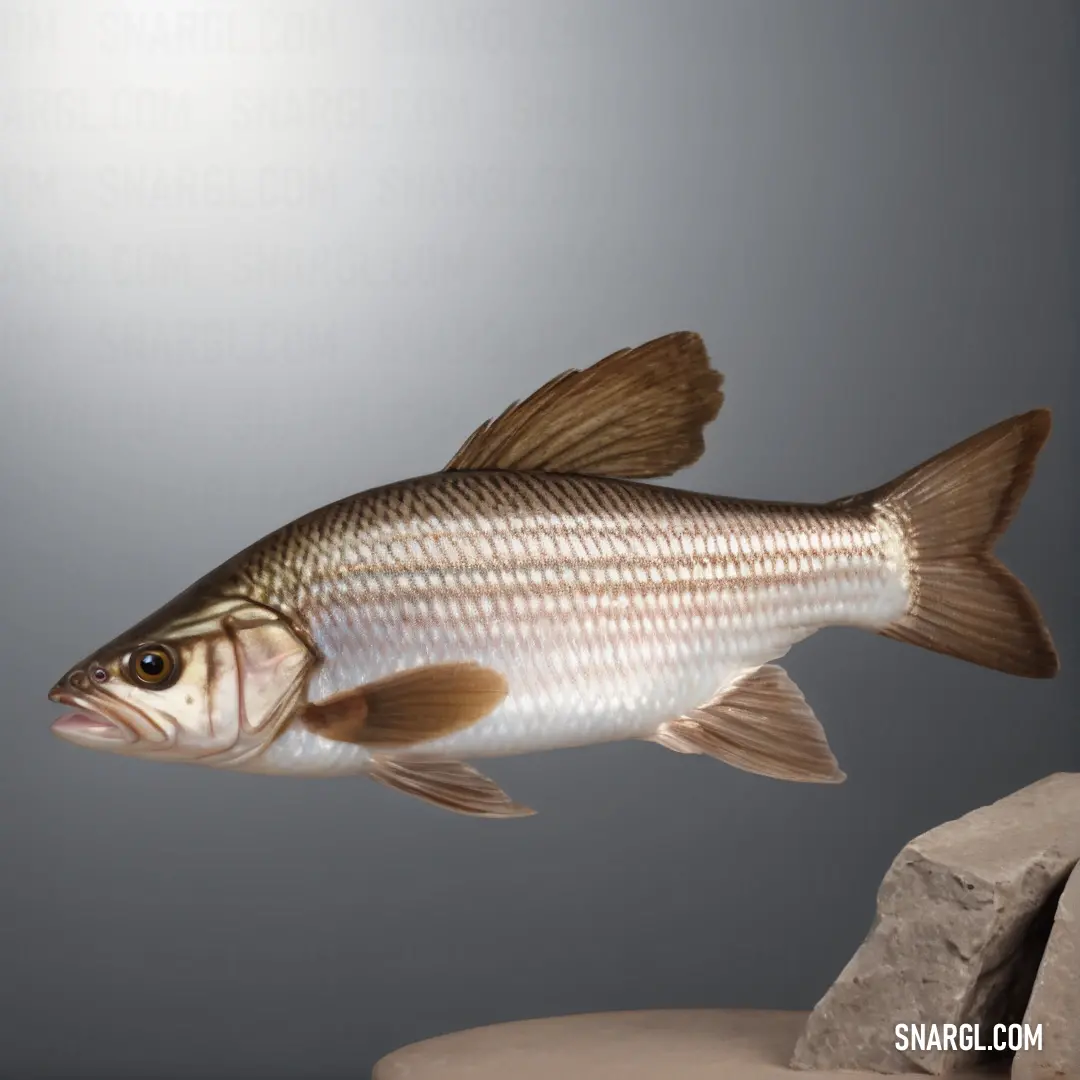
{"points": [[609, 606], [535, 594]]}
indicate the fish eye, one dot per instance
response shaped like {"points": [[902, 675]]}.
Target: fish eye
{"points": [[153, 666]]}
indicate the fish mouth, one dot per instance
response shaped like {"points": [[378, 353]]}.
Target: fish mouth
{"points": [[89, 726]]}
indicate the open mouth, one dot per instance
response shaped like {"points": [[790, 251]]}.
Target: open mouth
{"points": [[86, 725]]}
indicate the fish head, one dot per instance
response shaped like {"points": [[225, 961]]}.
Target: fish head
{"points": [[211, 682]]}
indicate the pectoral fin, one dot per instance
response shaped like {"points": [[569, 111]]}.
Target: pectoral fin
{"points": [[638, 413], [761, 724], [453, 785], [410, 707]]}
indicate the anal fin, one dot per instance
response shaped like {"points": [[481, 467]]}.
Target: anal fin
{"points": [[761, 724], [452, 785]]}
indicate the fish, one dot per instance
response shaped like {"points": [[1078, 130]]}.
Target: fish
{"points": [[538, 593]]}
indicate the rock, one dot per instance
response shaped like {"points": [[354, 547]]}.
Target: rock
{"points": [[957, 935], [1055, 999]]}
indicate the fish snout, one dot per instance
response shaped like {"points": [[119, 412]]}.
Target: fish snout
{"points": [[80, 680], [74, 682], [89, 726]]}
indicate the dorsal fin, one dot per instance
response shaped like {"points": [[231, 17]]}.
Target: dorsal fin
{"points": [[637, 414]]}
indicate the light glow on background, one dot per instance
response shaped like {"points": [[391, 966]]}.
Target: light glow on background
{"points": [[255, 256]]}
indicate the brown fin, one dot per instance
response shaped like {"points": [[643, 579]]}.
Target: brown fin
{"points": [[409, 707], [952, 509], [453, 785], [637, 414], [761, 724]]}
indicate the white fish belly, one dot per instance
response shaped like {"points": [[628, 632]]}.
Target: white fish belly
{"points": [[605, 621], [589, 670]]}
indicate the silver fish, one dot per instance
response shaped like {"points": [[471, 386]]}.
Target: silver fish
{"points": [[536, 594]]}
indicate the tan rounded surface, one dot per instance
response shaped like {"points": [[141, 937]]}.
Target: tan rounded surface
{"points": [[672, 1044]]}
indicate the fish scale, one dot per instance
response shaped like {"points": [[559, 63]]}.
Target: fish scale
{"points": [[535, 594], [605, 623]]}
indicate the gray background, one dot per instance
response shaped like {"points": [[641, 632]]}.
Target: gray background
{"points": [[255, 257]]}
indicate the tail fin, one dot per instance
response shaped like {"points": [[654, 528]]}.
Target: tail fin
{"points": [[952, 509]]}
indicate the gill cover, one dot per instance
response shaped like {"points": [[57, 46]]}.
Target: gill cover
{"points": [[241, 672]]}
